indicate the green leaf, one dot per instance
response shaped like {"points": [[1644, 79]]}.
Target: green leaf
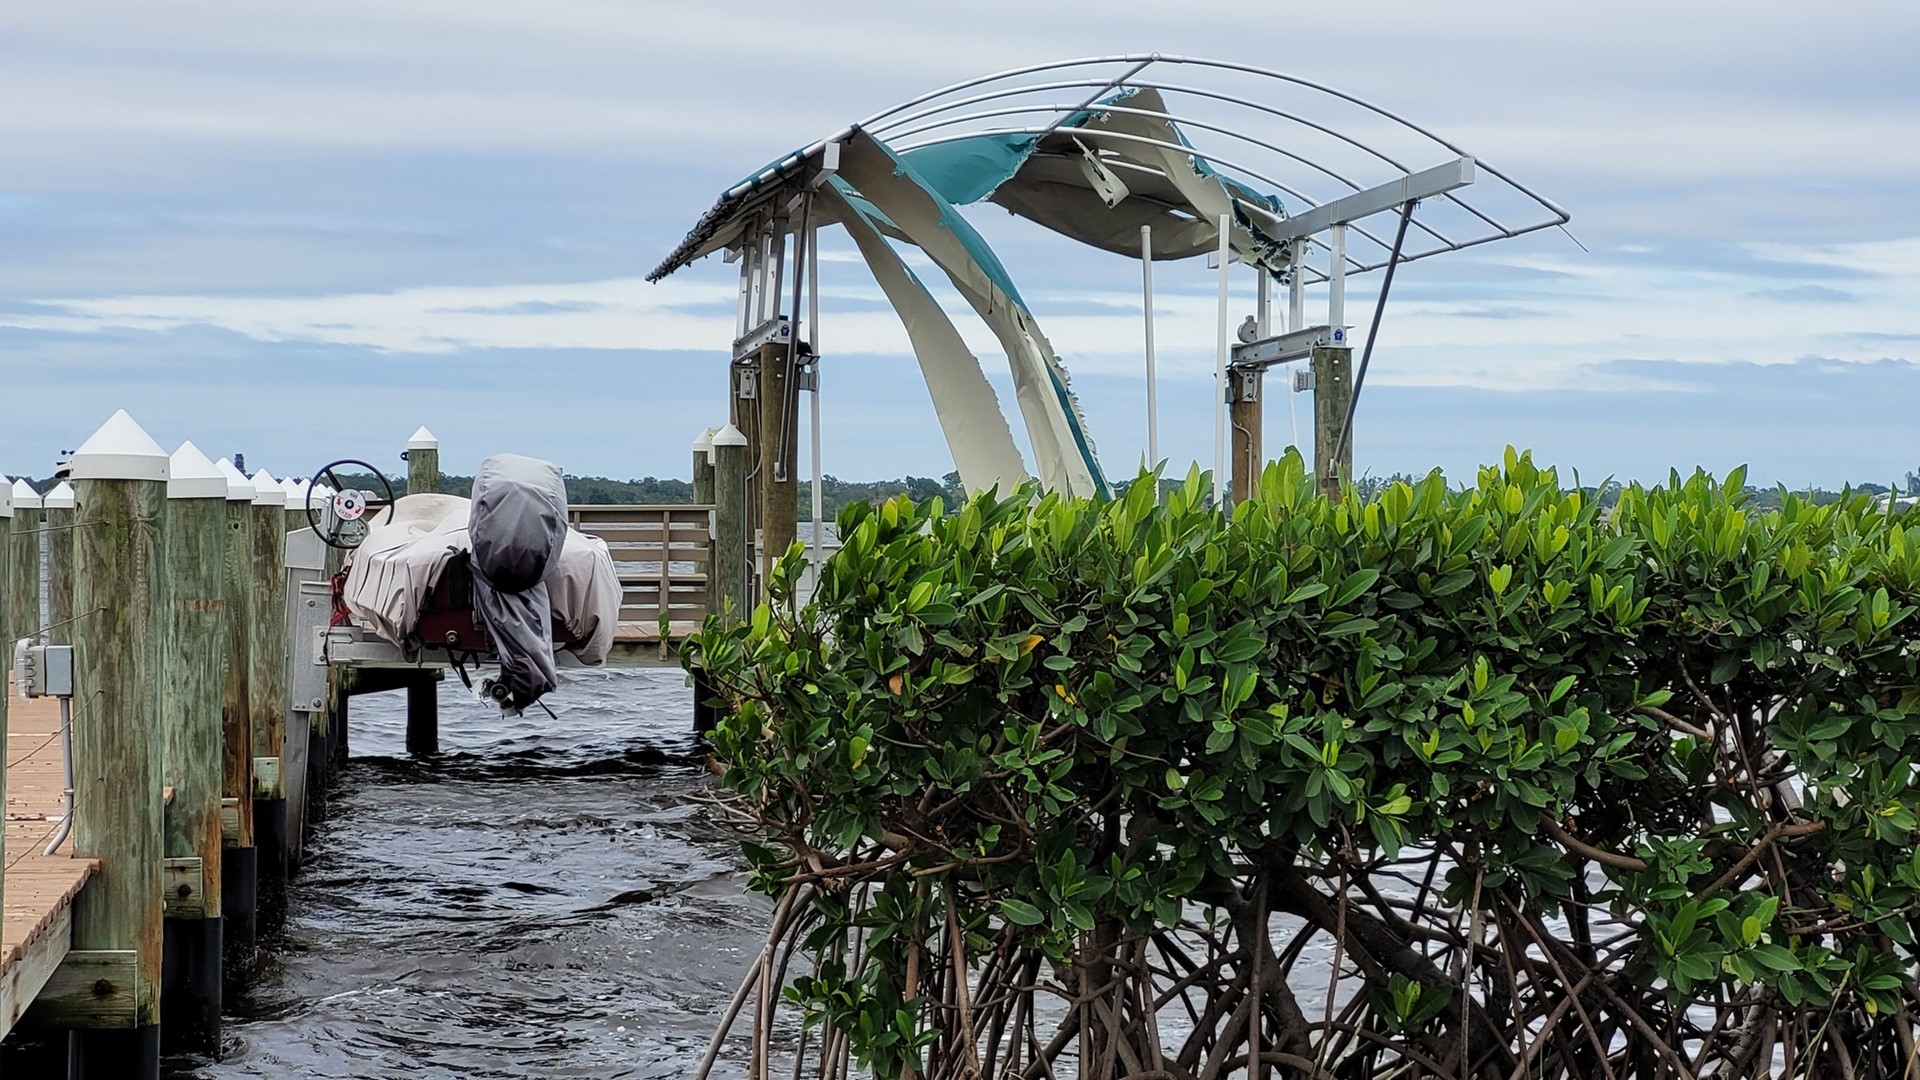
{"points": [[1020, 912]]}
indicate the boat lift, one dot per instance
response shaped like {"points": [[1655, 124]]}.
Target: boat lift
{"points": [[1150, 156]]}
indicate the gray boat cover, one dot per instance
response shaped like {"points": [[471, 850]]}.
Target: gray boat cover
{"points": [[519, 526], [390, 575]]}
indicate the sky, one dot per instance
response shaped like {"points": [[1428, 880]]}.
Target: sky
{"points": [[300, 230]]}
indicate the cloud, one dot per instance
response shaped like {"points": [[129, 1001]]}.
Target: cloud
{"points": [[1805, 294]]}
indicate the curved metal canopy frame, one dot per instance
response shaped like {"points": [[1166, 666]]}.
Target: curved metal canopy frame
{"points": [[1305, 140]]}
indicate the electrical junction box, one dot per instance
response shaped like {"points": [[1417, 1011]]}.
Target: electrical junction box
{"points": [[43, 670]]}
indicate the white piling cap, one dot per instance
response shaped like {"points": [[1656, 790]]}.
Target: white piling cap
{"points": [[704, 444], [6, 499], [267, 491], [423, 440], [24, 497], [239, 488], [296, 491], [60, 498], [729, 436], [120, 450], [193, 476]]}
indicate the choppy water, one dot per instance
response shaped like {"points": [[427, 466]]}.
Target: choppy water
{"points": [[545, 899]]}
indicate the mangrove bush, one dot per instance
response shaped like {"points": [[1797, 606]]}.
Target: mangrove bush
{"points": [[1472, 781]]}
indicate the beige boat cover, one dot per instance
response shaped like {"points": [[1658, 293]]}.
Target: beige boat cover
{"points": [[391, 573]]}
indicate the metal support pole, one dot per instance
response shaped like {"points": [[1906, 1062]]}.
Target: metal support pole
{"points": [[1297, 289], [1220, 371], [1337, 280], [1345, 450], [1153, 385]]}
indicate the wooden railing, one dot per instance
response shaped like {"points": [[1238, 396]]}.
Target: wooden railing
{"points": [[661, 553]]}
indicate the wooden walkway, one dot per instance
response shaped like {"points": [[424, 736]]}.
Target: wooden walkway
{"points": [[39, 888]]}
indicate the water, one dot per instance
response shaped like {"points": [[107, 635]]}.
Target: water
{"points": [[546, 899]]}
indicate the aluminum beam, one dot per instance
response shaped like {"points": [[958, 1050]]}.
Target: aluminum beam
{"points": [[1413, 187]]}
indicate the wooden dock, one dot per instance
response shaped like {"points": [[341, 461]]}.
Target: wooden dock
{"points": [[39, 888]]}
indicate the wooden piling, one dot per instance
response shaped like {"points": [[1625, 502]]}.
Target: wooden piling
{"points": [[56, 510], [1332, 397], [423, 688], [267, 695], [1245, 410], [239, 867], [703, 468], [704, 717], [193, 669], [747, 388], [423, 462], [732, 543], [23, 564], [6, 682], [777, 477], [119, 545]]}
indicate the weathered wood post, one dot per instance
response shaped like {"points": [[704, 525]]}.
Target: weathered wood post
{"points": [[266, 693], [423, 688], [779, 443], [703, 468], [703, 713], [193, 672], [732, 542], [1332, 397], [1245, 410], [23, 564], [119, 544], [56, 509], [6, 683], [423, 462], [239, 858], [304, 559]]}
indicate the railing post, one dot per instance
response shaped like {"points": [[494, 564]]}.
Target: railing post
{"points": [[266, 693], [193, 665], [119, 542]]}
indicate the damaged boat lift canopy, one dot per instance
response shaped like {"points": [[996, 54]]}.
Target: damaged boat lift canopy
{"points": [[1151, 157]]}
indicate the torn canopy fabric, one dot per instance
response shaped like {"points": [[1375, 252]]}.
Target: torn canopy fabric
{"points": [[1102, 173], [891, 191]]}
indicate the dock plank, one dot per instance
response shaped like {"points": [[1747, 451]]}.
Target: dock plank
{"points": [[34, 934]]}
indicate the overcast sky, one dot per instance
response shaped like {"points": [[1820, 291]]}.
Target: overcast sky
{"points": [[301, 229]]}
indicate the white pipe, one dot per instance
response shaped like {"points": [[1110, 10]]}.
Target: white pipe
{"points": [[1297, 291], [817, 548], [1153, 390], [1220, 371], [1263, 309], [1337, 280]]}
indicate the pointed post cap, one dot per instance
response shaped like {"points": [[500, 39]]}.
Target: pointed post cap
{"points": [[6, 499], [192, 476], [24, 497], [729, 436], [120, 450], [296, 492], [239, 488], [60, 498], [267, 490], [423, 440], [704, 444]]}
